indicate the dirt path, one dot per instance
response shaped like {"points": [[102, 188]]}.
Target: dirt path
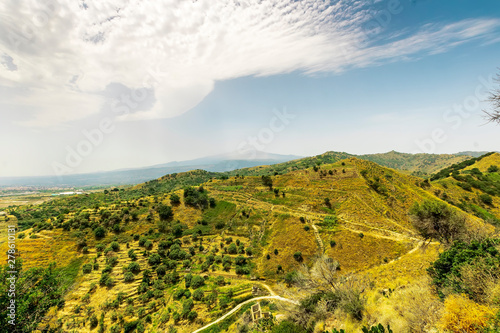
{"points": [[279, 298], [318, 238]]}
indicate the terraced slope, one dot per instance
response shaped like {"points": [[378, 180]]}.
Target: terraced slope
{"points": [[226, 235]]}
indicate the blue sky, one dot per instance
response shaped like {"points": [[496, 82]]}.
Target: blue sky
{"points": [[211, 77]]}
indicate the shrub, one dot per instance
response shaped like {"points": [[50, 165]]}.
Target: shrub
{"points": [[175, 199], [132, 254], [161, 270], [154, 259], [332, 243], [134, 267], [463, 315], [287, 326], [112, 261], [165, 212], [298, 256], [437, 220], [493, 168], [87, 268], [352, 303], [487, 199], [197, 282], [232, 249], [129, 277], [99, 232], [192, 315], [306, 228], [115, 246], [93, 321], [376, 329], [198, 295], [242, 270], [450, 271]]}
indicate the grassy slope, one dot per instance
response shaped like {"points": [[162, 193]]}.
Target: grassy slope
{"points": [[367, 199], [469, 200]]}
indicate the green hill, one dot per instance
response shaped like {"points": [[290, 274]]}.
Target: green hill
{"points": [[176, 253]]}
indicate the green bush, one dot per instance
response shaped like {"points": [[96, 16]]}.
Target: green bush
{"points": [[87, 268], [134, 267], [129, 277], [493, 168], [99, 232], [197, 282], [446, 270], [377, 329], [287, 326], [437, 220], [487, 199], [175, 199], [165, 212]]}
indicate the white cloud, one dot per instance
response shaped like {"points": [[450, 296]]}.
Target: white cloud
{"points": [[67, 52]]}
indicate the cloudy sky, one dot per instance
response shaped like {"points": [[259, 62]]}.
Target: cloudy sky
{"points": [[101, 85]]}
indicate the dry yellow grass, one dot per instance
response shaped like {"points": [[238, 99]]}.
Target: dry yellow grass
{"points": [[288, 236], [355, 253], [463, 315]]}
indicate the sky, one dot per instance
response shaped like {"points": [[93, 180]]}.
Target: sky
{"points": [[101, 85]]}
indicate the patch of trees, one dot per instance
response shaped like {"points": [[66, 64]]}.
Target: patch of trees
{"points": [[445, 173], [467, 268], [37, 290], [197, 197]]}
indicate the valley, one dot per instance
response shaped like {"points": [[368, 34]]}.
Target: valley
{"points": [[191, 252]]}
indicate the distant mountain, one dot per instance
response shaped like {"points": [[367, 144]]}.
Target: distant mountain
{"points": [[217, 163], [422, 165], [417, 164], [473, 153]]}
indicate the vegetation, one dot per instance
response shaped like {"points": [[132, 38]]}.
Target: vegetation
{"points": [[142, 259], [437, 220]]}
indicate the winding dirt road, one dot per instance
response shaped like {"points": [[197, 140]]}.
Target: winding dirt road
{"points": [[279, 298]]}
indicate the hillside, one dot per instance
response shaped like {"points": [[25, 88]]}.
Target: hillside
{"points": [[421, 165], [473, 186], [156, 257]]}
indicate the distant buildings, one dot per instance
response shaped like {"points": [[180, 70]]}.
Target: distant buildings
{"points": [[69, 193]]}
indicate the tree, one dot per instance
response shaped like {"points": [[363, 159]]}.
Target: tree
{"points": [[437, 220], [493, 115], [37, 290], [267, 181], [198, 295], [175, 199], [493, 168], [99, 232], [197, 282], [165, 212]]}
